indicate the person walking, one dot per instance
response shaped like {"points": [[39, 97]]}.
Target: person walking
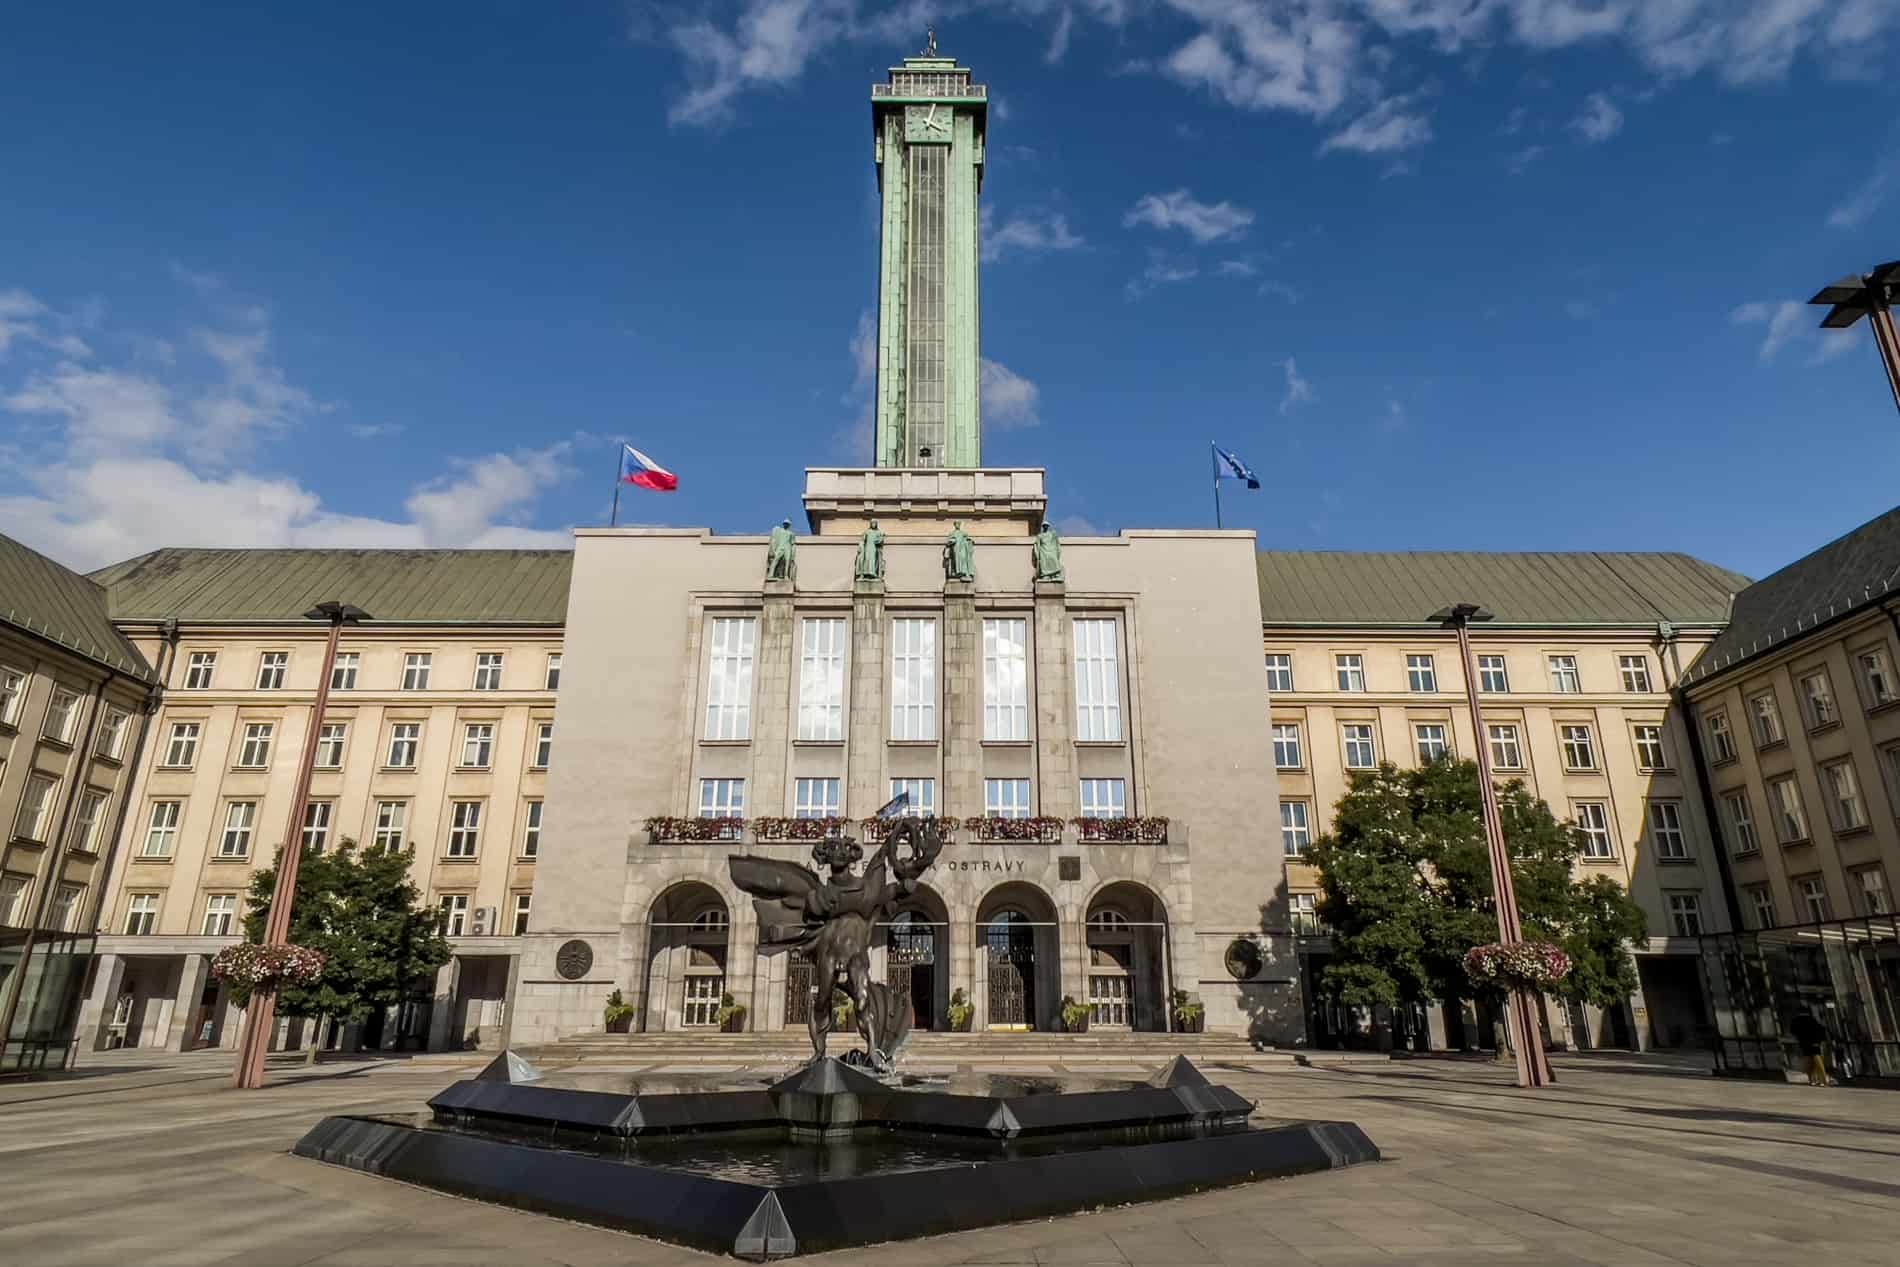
{"points": [[1811, 1036]]}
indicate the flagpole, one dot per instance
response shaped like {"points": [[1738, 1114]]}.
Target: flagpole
{"points": [[1214, 456], [619, 460]]}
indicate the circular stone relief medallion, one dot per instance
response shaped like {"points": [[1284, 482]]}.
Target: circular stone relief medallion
{"points": [[1243, 958], [573, 959]]}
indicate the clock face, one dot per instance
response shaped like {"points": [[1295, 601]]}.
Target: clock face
{"points": [[927, 124]]}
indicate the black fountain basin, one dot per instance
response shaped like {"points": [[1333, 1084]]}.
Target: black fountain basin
{"points": [[829, 1158]]}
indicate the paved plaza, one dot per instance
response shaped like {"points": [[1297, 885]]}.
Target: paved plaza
{"points": [[1629, 1160]]}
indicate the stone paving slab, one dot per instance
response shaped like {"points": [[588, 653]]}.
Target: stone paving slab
{"points": [[1639, 1162]]}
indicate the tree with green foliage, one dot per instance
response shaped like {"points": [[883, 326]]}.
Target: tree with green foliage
{"points": [[1405, 884], [361, 909]]}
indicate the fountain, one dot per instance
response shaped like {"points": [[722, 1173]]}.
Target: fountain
{"points": [[842, 1152]]}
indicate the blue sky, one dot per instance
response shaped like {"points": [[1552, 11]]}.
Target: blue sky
{"points": [[1482, 274]]}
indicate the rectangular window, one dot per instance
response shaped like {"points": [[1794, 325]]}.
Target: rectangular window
{"points": [[1361, 754], [1844, 807], [913, 679], [722, 798], [1874, 898], [1296, 831], [1761, 903], [1741, 824], [488, 670], [89, 820], [343, 672], [699, 1005], [112, 734], [1635, 671], [220, 914], [1421, 674], [316, 824], [454, 914], [1791, 821], [68, 900], [1579, 745], [1721, 739], [1431, 742], [141, 915], [1685, 914], [1811, 899], [1563, 675], [1104, 798], [161, 829], [1098, 683], [1650, 754], [1593, 820], [62, 710], [240, 818], [816, 798], [1286, 747], [923, 796], [1665, 831], [330, 745], [543, 744], [821, 681], [392, 824], [1350, 672], [12, 691], [415, 670], [405, 737], [1005, 680], [531, 832], [465, 828], [36, 807], [524, 902], [1876, 676], [552, 681], [1303, 908], [478, 745], [1817, 696], [1507, 753], [1279, 671], [1492, 679], [729, 678], [1006, 798], [254, 754], [13, 899], [200, 669], [271, 666], [1765, 714]]}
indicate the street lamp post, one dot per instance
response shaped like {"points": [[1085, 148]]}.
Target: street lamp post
{"points": [[1520, 1011], [1871, 295], [261, 1016]]}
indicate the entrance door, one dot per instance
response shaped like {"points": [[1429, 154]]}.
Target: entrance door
{"points": [[910, 964], [1012, 954], [923, 1004], [798, 990]]}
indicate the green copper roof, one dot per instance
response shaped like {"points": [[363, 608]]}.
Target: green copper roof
{"points": [[417, 586], [1848, 573], [1322, 587], [49, 601]]}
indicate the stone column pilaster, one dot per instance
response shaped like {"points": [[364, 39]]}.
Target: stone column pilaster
{"points": [[95, 1014], [868, 724], [1057, 794], [962, 658], [775, 665], [191, 984]]}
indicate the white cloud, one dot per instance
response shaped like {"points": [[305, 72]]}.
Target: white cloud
{"points": [[1279, 289], [374, 430], [1523, 158], [1079, 526], [1298, 390], [1863, 202], [1009, 400], [1783, 321], [483, 499], [856, 440], [1162, 270], [1236, 268], [1059, 39], [1027, 232], [1388, 128], [25, 318], [1300, 57], [1599, 120], [1202, 221]]}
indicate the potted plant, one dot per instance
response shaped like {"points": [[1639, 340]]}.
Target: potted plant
{"points": [[1189, 1014], [731, 1015], [618, 1014], [844, 1013], [1075, 1016], [960, 1012]]}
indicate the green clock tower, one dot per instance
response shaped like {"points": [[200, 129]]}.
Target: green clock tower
{"points": [[928, 122]]}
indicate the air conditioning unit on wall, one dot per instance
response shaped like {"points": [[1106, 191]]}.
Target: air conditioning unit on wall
{"points": [[484, 923]]}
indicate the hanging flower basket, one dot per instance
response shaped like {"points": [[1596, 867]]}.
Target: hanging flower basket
{"points": [[249, 966], [1532, 965]]}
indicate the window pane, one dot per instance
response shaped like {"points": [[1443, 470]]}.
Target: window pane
{"points": [[1098, 709], [913, 679], [821, 681], [729, 678]]}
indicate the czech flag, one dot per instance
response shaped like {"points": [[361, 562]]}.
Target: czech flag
{"points": [[637, 468]]}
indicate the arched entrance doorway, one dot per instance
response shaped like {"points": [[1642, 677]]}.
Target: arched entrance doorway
{"points": [[688, 929], [1019, 956], [916, 957], [1126, 931]]}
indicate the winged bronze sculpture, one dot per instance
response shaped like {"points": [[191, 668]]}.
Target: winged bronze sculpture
{"points": [[833, 918]]}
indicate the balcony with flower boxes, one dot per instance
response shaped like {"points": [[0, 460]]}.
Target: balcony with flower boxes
{"points": [[671, 830]]}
